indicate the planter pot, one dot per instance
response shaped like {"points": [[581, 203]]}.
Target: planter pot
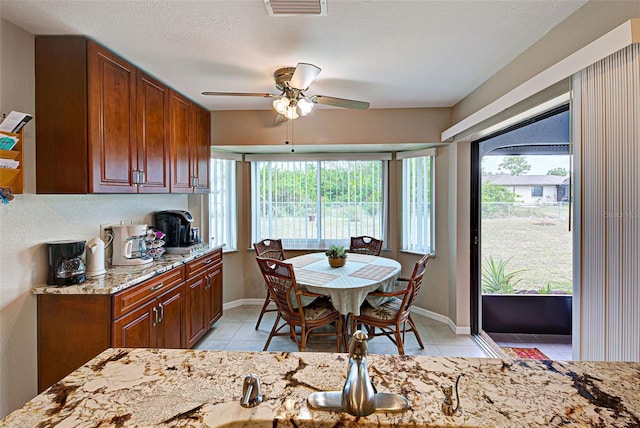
{"points": [[526, 313], [336, 262]]}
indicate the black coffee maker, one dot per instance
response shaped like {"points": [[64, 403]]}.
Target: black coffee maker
{"points": [[176, 225], [65, 263]]}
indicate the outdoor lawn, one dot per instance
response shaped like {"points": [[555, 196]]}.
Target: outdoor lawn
{"points": [[534, 239]]}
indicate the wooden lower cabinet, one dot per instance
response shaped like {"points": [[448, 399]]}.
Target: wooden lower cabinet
{"points": [[203, 295], [172, 310], [156, 324]]}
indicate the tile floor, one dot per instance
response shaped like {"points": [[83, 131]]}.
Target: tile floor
{"points": [[235, 331], [554, 346]]}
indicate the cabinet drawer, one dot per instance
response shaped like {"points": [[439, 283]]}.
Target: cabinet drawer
{"points": [[200, 265], [133, 297]]}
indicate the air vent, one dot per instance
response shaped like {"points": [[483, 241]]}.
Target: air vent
{"points": [[296, 7]]}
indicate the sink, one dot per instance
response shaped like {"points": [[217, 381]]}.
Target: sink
{"points": [[331, 401]]}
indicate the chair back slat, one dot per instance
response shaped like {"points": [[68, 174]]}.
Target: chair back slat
{"points": [[270, 248], [415, 283], [365, 245], [281, 280]]}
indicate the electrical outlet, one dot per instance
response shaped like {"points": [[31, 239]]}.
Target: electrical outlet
{"points": [[105, 230]]}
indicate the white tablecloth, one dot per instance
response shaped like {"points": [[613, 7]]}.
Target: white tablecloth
{"points": [[349, 285]]}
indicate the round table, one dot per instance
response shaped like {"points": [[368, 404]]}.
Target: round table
{"points": [[349, 285]]}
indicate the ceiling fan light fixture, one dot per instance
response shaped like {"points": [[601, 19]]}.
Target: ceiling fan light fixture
{"points": [[305, 105], [291, 113], [281, 104]]}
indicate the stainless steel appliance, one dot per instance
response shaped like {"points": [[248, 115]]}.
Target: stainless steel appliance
{"points": [[129, 247], [65, 263]]}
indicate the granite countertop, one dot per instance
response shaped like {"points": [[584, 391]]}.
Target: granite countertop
{"points": [[180, 388], [117, 278]]}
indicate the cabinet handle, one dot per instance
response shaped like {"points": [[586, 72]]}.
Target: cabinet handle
{"points": [[134, 176], [157, 287], [161, 312], [155, 311], [141, 178]]}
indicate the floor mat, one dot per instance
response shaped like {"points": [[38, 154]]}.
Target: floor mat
{"points": [[526, 353]]}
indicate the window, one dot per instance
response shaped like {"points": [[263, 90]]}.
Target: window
{"points": [[316, 203], [536, 191], [418, 212], [222, 203]]}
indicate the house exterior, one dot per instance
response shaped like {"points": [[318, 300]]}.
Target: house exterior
{"points": [[533, 189]]}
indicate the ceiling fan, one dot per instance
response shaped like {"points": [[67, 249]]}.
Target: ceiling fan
{"points": [[292, 102]]}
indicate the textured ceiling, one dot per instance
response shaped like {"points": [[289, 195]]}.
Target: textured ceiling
{"points": [[392, 53]]}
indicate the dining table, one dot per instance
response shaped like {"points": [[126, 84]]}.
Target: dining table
{"points": [[348, 286]]}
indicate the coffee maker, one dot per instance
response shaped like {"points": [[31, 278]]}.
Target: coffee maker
{"points": [[129, 246], [65, 263], [176, 225]]}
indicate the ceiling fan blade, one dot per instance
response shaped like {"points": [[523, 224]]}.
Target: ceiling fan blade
{"points": [[303, 76], [242, 94], [340, 102]]}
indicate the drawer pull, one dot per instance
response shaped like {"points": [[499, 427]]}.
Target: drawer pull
{"points": [[208, 261], [157, 287]]}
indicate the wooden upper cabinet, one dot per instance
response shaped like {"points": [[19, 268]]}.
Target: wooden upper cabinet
{"points": [[180, 124], [202, 149], [152, 135], [112, 113], [104, 126]]}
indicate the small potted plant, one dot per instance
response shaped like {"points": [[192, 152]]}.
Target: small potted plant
{"points": [[337, 255]]}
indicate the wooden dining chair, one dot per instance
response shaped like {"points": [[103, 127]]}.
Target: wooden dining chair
{"points": [[271, 249], [365, 245], [281, 281], [392, 316]]}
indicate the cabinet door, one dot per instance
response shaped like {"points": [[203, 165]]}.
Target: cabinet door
{"points": [[201, 148], [112, 137], [214, 294], [152, 134], [170, 327], [137, 329], [196, 325], [180, 111]]}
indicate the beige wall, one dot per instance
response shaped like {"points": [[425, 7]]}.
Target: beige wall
{"points": [[594, 19], [388, 128], [30, 220]]}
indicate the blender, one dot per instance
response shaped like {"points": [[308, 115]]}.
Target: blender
{"points": [[129, 247]]}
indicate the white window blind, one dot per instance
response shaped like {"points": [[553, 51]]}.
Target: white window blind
{"points": [[317, 203], [418, 213], [222, 204]]}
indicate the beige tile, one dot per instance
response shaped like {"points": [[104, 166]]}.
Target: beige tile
{"points": [[461, 351]]}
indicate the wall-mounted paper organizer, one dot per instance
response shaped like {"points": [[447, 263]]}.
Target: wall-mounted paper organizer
{"points": [[12, 178]]}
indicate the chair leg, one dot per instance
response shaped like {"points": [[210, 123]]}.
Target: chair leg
{"points": [[267, 300], [273, 332], [399, 341], [415, 331], [339, 333]]}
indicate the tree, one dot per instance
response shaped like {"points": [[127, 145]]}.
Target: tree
{"points": [[516, 165], [558, 171], [497, 193]]}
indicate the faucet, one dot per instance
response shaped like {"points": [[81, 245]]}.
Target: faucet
{"points": [[251, 395], [358, 396]]}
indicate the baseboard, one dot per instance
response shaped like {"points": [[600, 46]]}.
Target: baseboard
{"points": [[420, 311], [247, 302], [441, 318]]}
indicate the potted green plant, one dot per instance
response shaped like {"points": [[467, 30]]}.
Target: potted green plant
{"points": [[337, 255]]}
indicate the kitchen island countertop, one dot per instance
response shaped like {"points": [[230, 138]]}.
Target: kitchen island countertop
{"points": [[180, 388], [118, 278]]}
